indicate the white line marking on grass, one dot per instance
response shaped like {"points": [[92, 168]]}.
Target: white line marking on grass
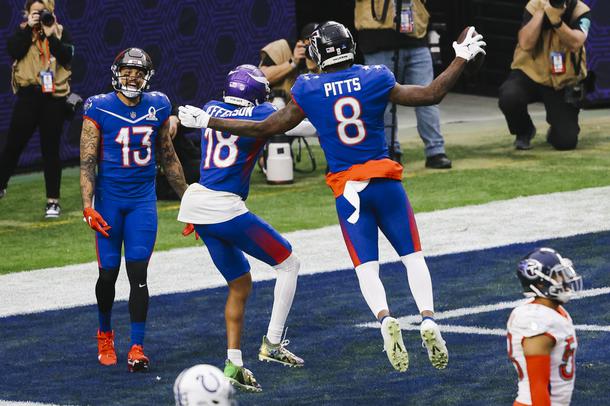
{"points": [[462, 229], [411, 322]]}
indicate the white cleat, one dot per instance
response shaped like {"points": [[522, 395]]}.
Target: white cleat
{"points": [[393, 344], [434, 343]]}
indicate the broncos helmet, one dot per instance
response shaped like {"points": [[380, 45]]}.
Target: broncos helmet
{"points": [[246, 86], [331, 43], [545, 273], [203, 385], [136, 58]]}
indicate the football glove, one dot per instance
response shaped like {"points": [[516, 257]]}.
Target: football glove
{"points": [[188, 230], [470, 47], [95, 221], [193, 117]]}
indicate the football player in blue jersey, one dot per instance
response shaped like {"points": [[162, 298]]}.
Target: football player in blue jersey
{"points": [[122, 132], [345, 103], [216, 208]]}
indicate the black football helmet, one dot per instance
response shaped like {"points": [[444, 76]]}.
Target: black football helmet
{"points": [[135, 58], [331, 43], [545, 273]]}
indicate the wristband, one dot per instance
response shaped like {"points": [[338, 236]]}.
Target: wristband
{"points": [[294, 65], [558, 25]]}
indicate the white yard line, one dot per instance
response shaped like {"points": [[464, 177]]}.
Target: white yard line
{"points": [[524, 219], [412, 322]]}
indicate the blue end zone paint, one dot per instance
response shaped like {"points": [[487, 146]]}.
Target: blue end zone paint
{"points": [[51, 356]]}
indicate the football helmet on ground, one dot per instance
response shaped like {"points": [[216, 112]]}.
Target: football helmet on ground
{"points": [[246, 86], [203, 385], [331, 43], [133, 58], [545, 273]]}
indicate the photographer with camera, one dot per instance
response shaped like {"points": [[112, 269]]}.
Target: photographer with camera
{"points": [[549, 65], [42, 50]]}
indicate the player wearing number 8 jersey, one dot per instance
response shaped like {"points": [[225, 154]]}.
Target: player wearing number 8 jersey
{"points": [[122, 132], [346, 103], [541, 339], [216, 207]]}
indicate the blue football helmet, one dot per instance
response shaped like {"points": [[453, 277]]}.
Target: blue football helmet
{"points": [[545, 273], [246, 86]]}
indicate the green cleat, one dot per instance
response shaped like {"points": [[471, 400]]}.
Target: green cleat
{"points": [[434, 343], [278, 353], [393, 345], [241, 378]]}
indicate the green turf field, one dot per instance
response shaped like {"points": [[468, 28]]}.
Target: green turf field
{"points": [[486, 168]]}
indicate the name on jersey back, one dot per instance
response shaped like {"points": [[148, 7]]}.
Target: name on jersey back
{"points": [[342, 86], [217, 111]]}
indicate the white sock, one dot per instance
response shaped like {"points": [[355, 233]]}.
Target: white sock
{"points": [[283, 294], [419, 280], [235, 357], [371, 287]]}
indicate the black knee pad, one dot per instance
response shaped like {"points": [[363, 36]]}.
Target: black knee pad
{"points": [[138, 294], [137, 272]]}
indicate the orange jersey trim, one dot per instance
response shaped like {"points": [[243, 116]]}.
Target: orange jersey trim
{"points": [[382, 168]]}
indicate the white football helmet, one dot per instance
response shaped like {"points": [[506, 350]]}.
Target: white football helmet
{"points": [[203, 385]]}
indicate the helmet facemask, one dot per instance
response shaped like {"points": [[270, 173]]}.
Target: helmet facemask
{"points": [[561, 283]]}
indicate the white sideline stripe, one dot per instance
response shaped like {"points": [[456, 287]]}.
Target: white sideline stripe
{"points": [[519, 220], [411, 322]]}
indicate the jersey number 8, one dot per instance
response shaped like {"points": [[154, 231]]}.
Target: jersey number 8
{"points": [[346, 121]]}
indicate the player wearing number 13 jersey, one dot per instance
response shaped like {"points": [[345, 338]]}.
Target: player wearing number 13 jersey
{"points": [[122, 133], [541, 338], [216, 208], [346, 103]]}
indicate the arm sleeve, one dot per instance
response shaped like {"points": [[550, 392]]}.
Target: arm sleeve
{"points": [[62, 49], [539, 374], [19, 43]]}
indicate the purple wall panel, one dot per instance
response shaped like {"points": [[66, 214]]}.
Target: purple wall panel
{"points": [[193, 44]]}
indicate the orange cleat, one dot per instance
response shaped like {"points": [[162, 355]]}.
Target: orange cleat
{"points": [[136, 360], [105, 348]]}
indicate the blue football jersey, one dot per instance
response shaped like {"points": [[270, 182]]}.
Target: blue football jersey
{"points": [[347, 107], [126, 161], [227, 160]]}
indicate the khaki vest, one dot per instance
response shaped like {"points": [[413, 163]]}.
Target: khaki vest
{"points": [[364, 20], [26, 71], [279, 51], [537, 63]]}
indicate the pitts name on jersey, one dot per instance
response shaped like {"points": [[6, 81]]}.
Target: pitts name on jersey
{"points": [[341, 86]]}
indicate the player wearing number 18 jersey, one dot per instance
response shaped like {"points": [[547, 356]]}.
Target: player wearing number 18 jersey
{"points": [[541, 339], [216, 207], [122, 132], [346, 103]]}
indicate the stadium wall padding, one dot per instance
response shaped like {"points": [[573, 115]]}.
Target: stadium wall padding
{"points": [[193, 44]]}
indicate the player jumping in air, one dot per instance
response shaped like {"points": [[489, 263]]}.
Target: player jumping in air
{"points": [[541, 337], [216, 207], [346, 103], [121, 133]]}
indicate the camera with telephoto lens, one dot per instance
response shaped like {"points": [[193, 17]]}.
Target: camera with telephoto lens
{"points": [[557, 3], [46, 17]]}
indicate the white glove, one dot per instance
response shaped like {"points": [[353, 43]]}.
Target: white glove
{"points": [[470, 47], [193, 117]]}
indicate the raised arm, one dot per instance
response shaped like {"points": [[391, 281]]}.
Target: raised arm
{"points": [[530, 32], [465, 51], [169, 160], [277, 123], [407, 95], [89, 144]]}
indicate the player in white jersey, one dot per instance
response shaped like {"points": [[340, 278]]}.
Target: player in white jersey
{"points": [[541, 339]]}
